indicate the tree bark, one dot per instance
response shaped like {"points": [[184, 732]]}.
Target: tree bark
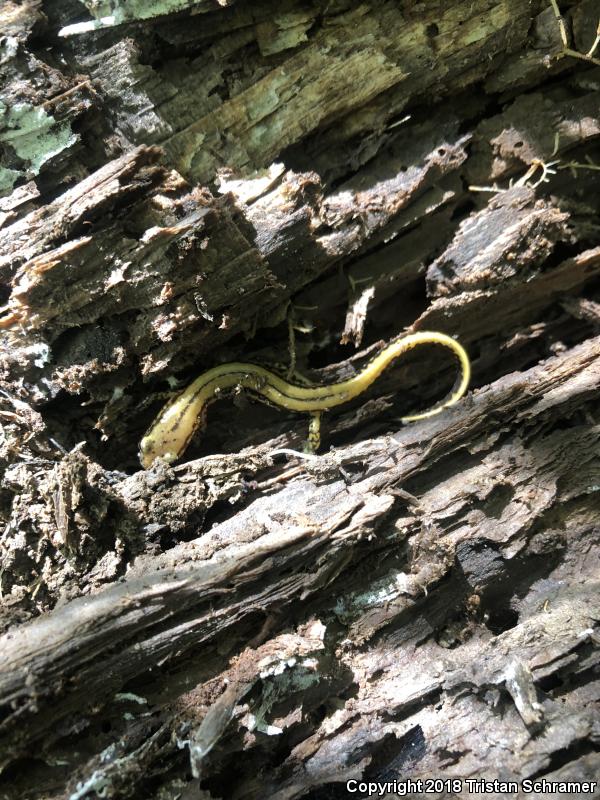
{"points": [[187, 183]]}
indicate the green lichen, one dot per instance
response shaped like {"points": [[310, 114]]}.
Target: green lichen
{"points": [[280, 681], [34, 136], [348, 607], [115, 12], [7, 179]]}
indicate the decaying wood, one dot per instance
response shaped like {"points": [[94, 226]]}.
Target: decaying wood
{"points": [[481, 522], [184, 183]]}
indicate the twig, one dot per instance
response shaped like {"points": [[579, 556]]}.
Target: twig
{"points": [[561, 23], [567, 51]]}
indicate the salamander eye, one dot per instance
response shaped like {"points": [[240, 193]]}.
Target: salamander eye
{"points": [[147, 453]]}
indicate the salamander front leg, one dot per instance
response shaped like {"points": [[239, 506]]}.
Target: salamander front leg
{"points": [[314, 432]]}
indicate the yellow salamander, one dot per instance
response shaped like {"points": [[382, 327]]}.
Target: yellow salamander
{"points": [[172, 430]]}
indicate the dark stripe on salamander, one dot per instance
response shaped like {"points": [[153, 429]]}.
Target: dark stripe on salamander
{"points": [[243, 375], [256, 391]]}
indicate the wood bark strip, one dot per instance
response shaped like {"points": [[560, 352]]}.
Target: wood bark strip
{"points": [[213, 589]]}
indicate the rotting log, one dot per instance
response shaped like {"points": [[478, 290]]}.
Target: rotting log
{"points": [[186, 183]]}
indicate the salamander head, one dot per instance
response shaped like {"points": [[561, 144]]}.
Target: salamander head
{"points": [[152, 447]]}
